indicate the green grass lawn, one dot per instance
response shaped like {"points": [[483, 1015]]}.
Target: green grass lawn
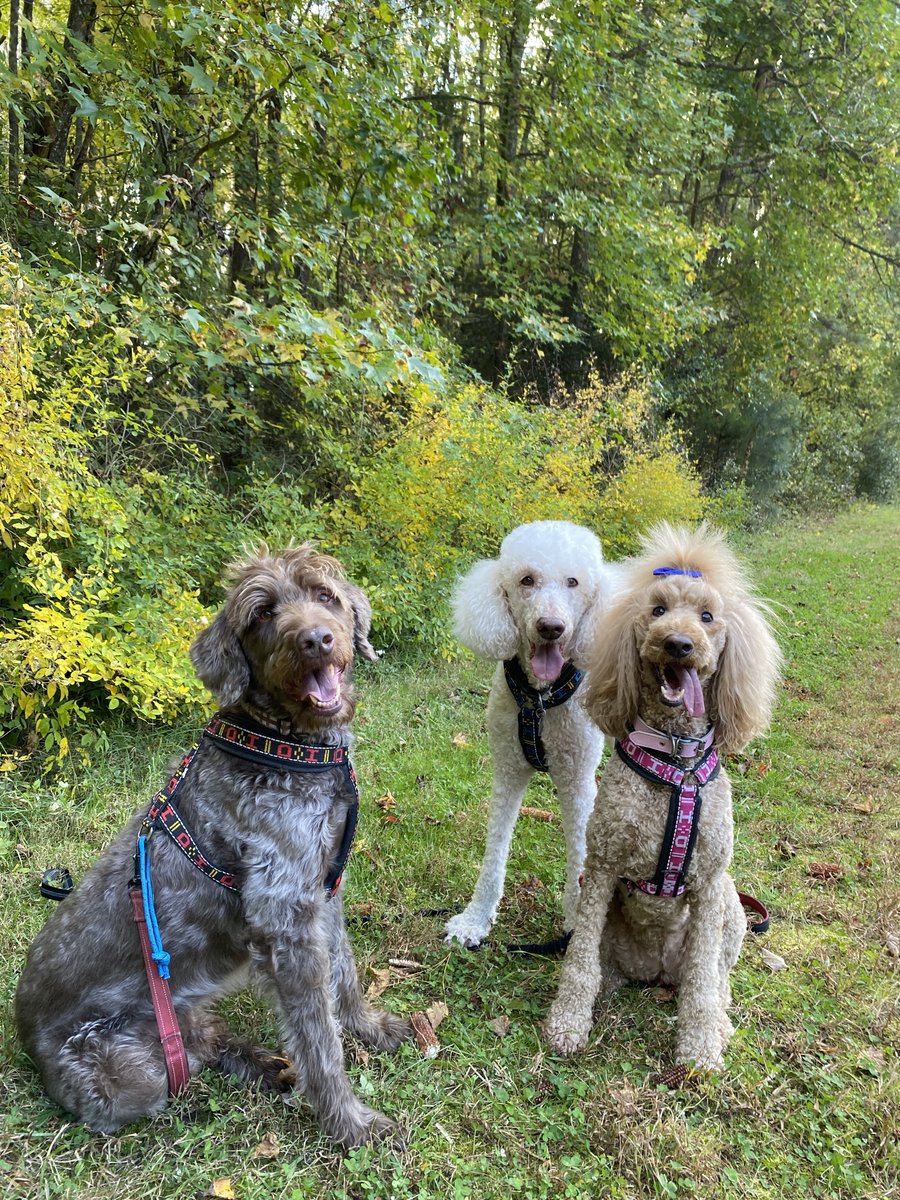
{"points": [[809, 1103]]}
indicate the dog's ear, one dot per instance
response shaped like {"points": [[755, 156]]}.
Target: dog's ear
{"points": [[220, 662], [362, 622], [741, 694], [614, 668], [481, 615], [606, 586]]}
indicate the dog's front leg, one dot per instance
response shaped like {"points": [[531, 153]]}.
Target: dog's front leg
{"points": [[576, 783], [568, 1024], [702, 1021], [511, 776], [291, 956], [377, 1027]]}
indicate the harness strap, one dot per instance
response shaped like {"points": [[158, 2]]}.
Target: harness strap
{"points": [[169, 1033], [532, 704], [253, 743], [685, 802], [258, 744]]}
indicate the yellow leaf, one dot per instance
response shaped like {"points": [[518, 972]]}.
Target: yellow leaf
{"points": [[222, 1189]]}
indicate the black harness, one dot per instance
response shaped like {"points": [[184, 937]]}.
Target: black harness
{"points": [[254, 743], [532, 704]]}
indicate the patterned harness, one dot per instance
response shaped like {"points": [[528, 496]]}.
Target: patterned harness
{"points": [[532, 705], [685, 801], [254, 743]]}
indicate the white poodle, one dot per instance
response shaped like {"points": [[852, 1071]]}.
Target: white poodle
{"points": [[685, 674], [532, 611]]}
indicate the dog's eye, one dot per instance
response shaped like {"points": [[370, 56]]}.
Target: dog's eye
{"points": [[527, 581], [325, 596], [266, 613], [571, 582], [659, 611], [706, 617]]}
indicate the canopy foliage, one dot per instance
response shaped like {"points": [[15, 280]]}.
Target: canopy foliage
{"points": [[364, 272]]}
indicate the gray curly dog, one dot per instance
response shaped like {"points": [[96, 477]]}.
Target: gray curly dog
{"points": [[279, 655]]}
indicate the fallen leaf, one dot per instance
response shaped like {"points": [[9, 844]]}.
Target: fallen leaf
{"points": [[379, 984], [864, 806], [539, 814], [825, 870], [459, 739], [772, 961], [892, 941], [390, 819], [221, 1189], [269, 1147], [425, 1037], [500, 1026], [663, 995], [405, 964], [436, 1013], [785, 849], [386, 801]]}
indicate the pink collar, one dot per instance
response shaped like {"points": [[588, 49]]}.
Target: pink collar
{"points": [[648, 738]]}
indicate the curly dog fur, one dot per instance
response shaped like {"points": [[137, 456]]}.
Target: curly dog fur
{"points": [[536, 602], [665, 638], [281, 652]]}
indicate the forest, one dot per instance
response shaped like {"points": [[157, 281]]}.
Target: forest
{"points": [[395, 276]]}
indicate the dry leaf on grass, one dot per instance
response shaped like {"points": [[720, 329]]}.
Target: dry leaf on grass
{"points": [[500, 1026], [539, 814], [380, 982], [436, 1013], [892, 941], [269, 1147], [459, 739], [773, 961], [425, 1037], [386, 801], [221, 1189]]}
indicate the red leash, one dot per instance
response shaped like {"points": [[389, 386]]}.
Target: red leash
{"points": [[167, 1023]]}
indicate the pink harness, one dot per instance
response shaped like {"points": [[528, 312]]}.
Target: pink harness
{"points": [[685, 799]]}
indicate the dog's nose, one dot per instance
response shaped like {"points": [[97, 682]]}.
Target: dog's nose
{"points": [[678, 647], [317, 641], [549, 630]]}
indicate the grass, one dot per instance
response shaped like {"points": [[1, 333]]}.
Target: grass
{"points": [[809, 1104]]}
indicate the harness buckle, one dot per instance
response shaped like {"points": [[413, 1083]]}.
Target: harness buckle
{"points": [[685, 747]]}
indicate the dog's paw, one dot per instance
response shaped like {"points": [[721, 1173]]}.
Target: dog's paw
{"points": [[563, 1037], [392, 1033], [366, 1127], [468, 929], [700, 1056]]}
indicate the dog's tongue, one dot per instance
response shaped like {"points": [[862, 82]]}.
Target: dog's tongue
{"points": [[693, 693], [322, 685], [547, 662]]}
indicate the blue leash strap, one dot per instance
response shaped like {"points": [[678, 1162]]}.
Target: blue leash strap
{"points": [[160, 957]]}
